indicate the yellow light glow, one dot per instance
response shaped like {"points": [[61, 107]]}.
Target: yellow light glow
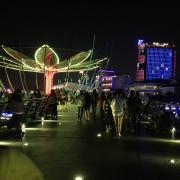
{"points": [[26, 144], [99, 135], [79, 178], [172, 161], [10, 143]]}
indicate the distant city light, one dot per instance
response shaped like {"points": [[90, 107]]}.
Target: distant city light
{"points": [[6, 114], [167, 108], [173, 108], [160, 44], [140, 41], [172, 161], [99, 135]]}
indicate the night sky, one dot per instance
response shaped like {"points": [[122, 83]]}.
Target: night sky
{"points": [[72, 25]]}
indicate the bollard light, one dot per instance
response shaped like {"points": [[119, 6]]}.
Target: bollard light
{"points": [[78, 178], [26, 144], [172, 161]]}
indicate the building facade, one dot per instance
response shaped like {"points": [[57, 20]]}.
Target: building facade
{"points": [[104, 79], [108, 80], [122, 81], [156, 61]]}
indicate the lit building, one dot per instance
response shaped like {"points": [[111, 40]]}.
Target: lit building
{"points": [[155, 88], [104, 80], [156, 61], [156, 68], [121, 81]]}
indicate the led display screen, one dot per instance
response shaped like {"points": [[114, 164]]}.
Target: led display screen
{"points": [[159, 63]]}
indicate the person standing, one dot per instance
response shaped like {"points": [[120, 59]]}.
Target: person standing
{"points": [[118, 106], [94, 99], [87, 105], [101, 102], [108, 118], [16, 106], [53, 103], [80, 105]]}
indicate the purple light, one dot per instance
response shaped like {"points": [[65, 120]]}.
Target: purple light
{"points": [[107, 71], [140, 42]]}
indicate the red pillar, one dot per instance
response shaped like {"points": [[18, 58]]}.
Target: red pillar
{"points": [[49, 81]]}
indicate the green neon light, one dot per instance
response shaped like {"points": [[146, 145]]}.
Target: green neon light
{"points": [[32, 66], [35, 56], [9, 60], [84, 69], [37, 51], [10, 53], [71, 61], [83, 59]]}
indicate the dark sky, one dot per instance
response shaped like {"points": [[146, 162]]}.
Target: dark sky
{"points": [[71, 26]]}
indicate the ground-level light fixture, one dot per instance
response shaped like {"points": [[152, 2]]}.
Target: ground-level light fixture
{"points": [[26, 144], [172, 161], [79, 178]]}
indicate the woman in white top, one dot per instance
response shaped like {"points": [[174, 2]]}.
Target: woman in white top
{"points": [[118, 106]]}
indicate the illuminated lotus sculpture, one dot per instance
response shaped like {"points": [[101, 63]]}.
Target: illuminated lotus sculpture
{"points": [[48, 62]]}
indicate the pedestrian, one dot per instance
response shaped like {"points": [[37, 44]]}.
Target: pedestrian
{"points": [[94, 98], [108, 117], [16, 106], [118, 106], [132, 111], [80, 105], [52, 99], [101, 102], [87, 105]]}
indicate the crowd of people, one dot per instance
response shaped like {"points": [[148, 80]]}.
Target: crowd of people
{"points": [[115, 109]]}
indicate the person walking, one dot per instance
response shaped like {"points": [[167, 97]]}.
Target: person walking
{"points": [[80, 105], [108, 117], [101, 102], [53, 103], [118, 106], [94, 99], [16, 106], [87, 105]]}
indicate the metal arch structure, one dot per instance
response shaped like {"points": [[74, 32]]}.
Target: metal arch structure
{"points": [[48, 62]]}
